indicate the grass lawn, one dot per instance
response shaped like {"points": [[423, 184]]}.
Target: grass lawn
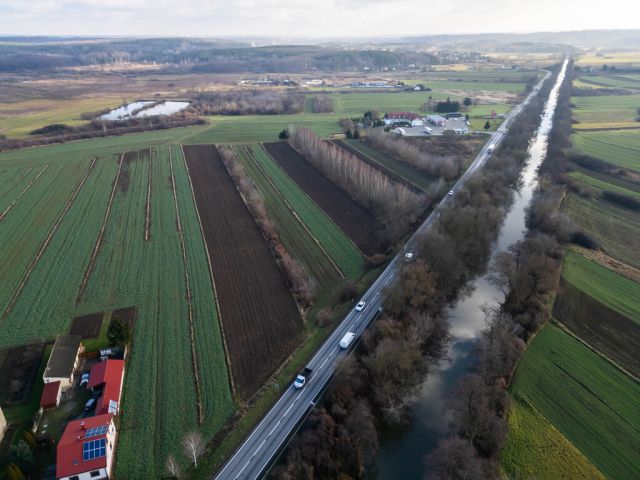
{"points": [[606, 111], [606, 286], [536, 449], [592, 403], [620, 148]]}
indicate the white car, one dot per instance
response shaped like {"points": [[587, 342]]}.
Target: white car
{"points": [[84, 379], [360, 306], [299, 382], [450, 192]]}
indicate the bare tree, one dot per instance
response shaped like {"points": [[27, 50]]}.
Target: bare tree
{"points": [[172, 468], [193, 445]]}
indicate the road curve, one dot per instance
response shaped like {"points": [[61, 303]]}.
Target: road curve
{"points": [[261, 447]]}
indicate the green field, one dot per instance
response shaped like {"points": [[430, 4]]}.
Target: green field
{"points": [[606, 286], [601, 185], [311, 237], [612, 81], [591, 402], [474, 86], [620, 148], [614, 227], [160, 399], [536, 449], [606, 111]]}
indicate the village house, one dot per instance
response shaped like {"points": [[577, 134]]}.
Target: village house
{"points": [[86, 449]]}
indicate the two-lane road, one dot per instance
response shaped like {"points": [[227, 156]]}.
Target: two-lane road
{"points": [[253, 457]]}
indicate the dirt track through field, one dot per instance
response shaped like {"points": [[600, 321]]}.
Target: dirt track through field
{"points": [[187, 286], [46, 242], [147, 205], [96, 249], [24, 190], [260, 320], [354, 220]]}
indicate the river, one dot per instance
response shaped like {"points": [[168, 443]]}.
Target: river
{"points": [[402, 453]]}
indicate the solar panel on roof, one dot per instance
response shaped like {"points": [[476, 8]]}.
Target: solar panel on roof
{"points": [[94, 449], [95, 431]]}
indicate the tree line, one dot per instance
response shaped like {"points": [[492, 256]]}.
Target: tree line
{"points": [[300, 282], [322, 104], [248, 102], [446, 167], [395, 205]]}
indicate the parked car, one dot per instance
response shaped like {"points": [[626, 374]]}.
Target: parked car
{"points": [[90, 405], [84, 379], [360, 306]]}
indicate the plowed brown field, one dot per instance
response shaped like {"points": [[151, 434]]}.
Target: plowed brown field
{"points": [[260, 320]]}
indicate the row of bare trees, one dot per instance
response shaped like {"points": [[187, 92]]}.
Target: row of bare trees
{"points": [[248, 102], [322, 104], [395, 205], [300, 283], [446, 167]]}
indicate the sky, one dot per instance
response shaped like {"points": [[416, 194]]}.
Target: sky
{"points": [[310, 18]]}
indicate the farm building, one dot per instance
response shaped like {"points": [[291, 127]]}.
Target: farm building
{"points": [[86, 449], [63, 362], [50, 395], [3, 424], [108, 375], [437, 120], [402, 117]]}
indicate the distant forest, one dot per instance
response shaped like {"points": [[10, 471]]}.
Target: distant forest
{"points": [[193, 55]]}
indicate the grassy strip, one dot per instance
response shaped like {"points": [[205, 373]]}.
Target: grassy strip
{"points": [[536, 449], [602, 185], [606, 286], [621, 148]]}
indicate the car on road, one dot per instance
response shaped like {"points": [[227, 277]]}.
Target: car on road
{"points": [[360, 306], [301, 379], [450, 192]]}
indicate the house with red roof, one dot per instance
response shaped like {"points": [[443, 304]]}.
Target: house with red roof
{"points": [[108, 376], [51, 393], [403, 117], [86, 449]]}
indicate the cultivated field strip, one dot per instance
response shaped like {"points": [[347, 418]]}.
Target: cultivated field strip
{"points": [[335, 242], [187, 286], [45, 244], [593, 403], [24, 190], [96, 248], [261, 323], [354, 220], [10, 180], [150, 275], [293, 232], [46, 305]]}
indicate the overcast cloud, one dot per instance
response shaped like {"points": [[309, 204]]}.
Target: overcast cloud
{"points": [[327, 18]]}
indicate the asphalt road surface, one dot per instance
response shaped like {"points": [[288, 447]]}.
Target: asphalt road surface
{"points": [[252, 459]]}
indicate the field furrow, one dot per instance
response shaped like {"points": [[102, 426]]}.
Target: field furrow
{"points": [[24, 190]]}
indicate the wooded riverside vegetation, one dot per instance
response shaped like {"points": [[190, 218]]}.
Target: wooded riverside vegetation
{"points": [[249, 102], [373, 387], [396, 206]]}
